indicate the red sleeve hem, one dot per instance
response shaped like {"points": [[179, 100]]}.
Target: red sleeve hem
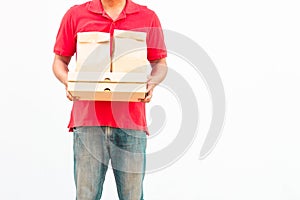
{"points": [[157, 57], [63, 53]]}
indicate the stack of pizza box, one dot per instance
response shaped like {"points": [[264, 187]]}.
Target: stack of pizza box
{"points": [[110, 70]]}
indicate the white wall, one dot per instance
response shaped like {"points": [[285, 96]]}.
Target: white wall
{"points": [[254, 44]]}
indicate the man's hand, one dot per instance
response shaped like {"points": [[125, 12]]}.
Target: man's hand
{"points": [[69, 95], [151, 83], [158, 73]]}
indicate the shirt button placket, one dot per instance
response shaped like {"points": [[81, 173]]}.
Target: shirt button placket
{"points": [[111, 31]]}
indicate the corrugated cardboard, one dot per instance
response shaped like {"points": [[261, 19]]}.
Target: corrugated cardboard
{"points": [[93, 52]]}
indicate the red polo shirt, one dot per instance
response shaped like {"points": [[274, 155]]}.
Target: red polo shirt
{"points": [[88, 17]]}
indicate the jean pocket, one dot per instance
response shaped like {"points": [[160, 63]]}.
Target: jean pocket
{"points": [[130, 140]]}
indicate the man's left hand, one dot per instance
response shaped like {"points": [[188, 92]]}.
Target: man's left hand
{"points": [[150, 87]]}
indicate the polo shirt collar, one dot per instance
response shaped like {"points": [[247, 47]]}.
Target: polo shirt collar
{"points": [[96, 7]]}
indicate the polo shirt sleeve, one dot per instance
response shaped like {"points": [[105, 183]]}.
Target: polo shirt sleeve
{"points": [[156, 48], [65, 44]]}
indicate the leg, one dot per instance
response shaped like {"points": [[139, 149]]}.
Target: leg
{"points": [[128, 159], [90, 162]]}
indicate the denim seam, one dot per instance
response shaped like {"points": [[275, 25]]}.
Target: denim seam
{"points": [[88, 149]]}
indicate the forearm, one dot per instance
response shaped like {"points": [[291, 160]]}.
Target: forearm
{"points": [[60, 68], [159, 71]]}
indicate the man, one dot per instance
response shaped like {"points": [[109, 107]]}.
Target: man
{"points": [[109, 131]]}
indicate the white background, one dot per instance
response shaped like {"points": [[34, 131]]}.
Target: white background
{"points": [[255, 46]]}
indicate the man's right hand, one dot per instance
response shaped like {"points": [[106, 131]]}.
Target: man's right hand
{"points": [[69, 95]]}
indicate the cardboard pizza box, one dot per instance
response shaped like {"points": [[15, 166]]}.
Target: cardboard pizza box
{"points": [[114, 77], [108, 91], [107, 86]]}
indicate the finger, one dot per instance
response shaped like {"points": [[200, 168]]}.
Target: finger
{"points": [[70, 97], [76, 98], [147, 99], [144, 100]]}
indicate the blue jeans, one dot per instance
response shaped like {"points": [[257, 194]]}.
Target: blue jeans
{"points": [[94, 147]]}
